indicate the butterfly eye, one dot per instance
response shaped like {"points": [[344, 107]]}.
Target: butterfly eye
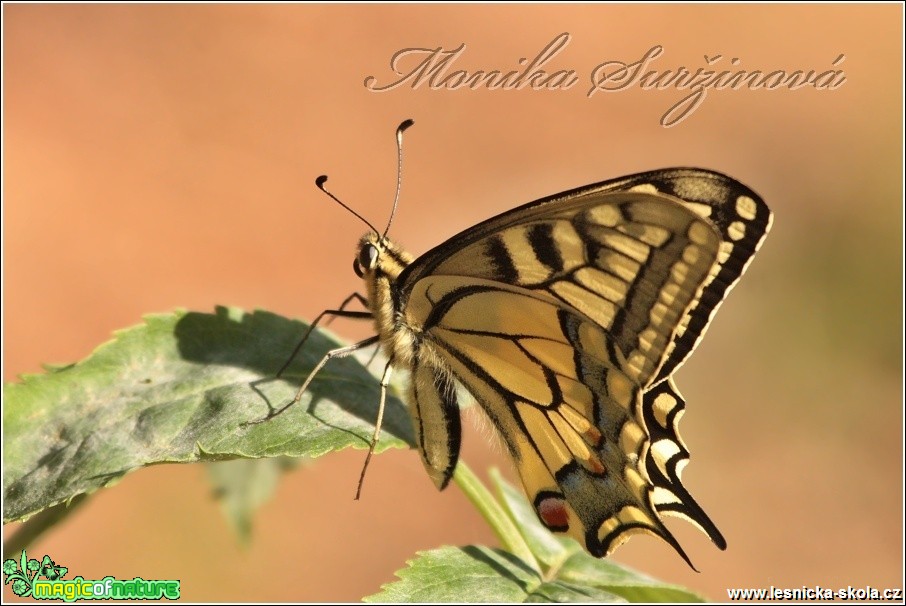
{"points": [[357, 268], [367, 257]]}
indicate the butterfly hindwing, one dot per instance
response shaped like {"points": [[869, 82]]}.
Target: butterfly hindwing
{"points": [[435, 415], [565, 419]]}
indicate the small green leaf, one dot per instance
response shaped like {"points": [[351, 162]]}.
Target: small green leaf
{"points": [[560, 591], [244, 485], [181, 388], [481, 574], [584, 570], [461, 574]]}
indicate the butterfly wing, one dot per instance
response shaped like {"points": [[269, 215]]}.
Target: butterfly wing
{"points": [[741, 217], [743, 220], [662, 408], [738, 213], [557, 316], [554, 386]]}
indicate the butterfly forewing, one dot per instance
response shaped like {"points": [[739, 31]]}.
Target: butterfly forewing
{"points": [[741, 217], [631, 262]]}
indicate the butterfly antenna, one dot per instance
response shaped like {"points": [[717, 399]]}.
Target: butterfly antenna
{"points": [[399, 169], [320, 181]]}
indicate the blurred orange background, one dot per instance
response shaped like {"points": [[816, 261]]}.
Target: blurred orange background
{"points": [[163, 156]]}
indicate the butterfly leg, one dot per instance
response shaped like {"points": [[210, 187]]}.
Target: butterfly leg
{"points": [[333, 313], [361, 299], [353, 297], [341, 352], [385, 380]]}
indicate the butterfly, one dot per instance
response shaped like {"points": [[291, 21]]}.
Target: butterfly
{"points": [[565, 319]]}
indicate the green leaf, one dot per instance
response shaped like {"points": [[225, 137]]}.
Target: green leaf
{"points": [[181, 388], [481, 574], [244, 485], [460, 574]]}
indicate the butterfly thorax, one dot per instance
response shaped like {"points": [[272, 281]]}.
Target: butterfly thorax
{"points": [[379, 262]]}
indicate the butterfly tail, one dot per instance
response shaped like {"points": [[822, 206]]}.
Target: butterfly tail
{"points": [[662, 408]]}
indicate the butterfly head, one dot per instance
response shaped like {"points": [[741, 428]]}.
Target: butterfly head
{"points": [[379, 263], [377, 256]]}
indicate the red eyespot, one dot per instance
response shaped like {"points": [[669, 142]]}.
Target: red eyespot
{"points": [[551, 509]]}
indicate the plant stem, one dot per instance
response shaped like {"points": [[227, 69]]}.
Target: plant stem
{"points": [[498, 519]]}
